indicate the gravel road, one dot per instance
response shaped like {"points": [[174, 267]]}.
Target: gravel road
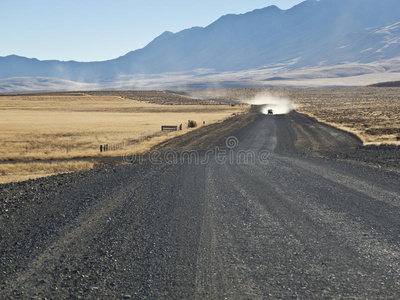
{"points": [[259, 218]]}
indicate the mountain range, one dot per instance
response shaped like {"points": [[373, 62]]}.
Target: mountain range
{"points": [[270, 41]]}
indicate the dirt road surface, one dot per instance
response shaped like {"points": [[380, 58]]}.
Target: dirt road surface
{"points": [[258, 218]]}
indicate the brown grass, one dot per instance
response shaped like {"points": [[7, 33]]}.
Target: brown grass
{"points": [[63, 126], [373, 114]]}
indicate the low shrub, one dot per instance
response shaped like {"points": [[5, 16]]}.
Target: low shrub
{"points": [[192, 124]]}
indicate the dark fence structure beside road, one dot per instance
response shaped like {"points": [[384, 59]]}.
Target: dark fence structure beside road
{"points": [[165, 129]]}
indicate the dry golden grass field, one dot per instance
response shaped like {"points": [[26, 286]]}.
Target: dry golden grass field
{"points": [[74, 125], [372, 113]]}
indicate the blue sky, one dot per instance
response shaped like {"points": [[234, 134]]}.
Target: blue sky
{"points": [[87, 30]]}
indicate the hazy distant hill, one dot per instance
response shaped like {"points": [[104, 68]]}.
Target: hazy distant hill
{"points": [[311, 34], [343, 75], [387, 84], [42, 84]]}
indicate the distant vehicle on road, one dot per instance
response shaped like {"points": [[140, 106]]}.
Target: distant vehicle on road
{"points": [[270, 112]]}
